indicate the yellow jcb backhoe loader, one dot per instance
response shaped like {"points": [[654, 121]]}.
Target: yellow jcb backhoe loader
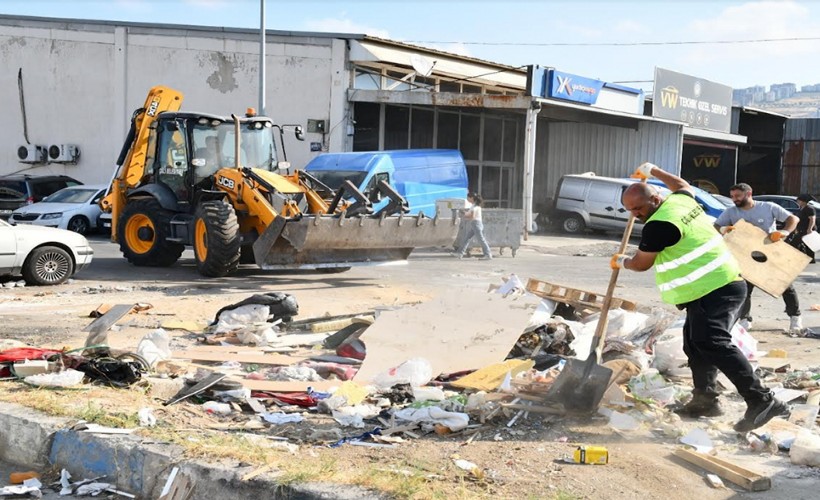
{"points": [[209, 181]]}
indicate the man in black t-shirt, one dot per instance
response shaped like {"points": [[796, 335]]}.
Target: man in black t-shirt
{"points": [[808, 218]]}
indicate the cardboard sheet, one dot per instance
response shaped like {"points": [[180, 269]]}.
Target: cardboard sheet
{"points": [[783, 263], [463, 330]]}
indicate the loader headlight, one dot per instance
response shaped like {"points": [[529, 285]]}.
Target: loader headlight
{"points": [[257, 125], [55, 215]]}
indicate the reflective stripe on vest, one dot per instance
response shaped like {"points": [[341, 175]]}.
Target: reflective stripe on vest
{"points": [[699, 262]]}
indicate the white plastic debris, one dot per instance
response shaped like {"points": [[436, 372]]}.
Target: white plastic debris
{"points": [[146, 417], [92, 489], [302, 373], [65, 482], [217, 408], [241, 317], [651, 385], [65, 378], [155, 347], [435, 415], [623, 422], [353, 416], [282, 418], [699, 440], [19, 490], [428, 394], [668, 348], [416, 372]]}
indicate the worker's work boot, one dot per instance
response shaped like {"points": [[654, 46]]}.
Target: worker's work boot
{"points": [[795, 325], [701, 405], [760, 412]]}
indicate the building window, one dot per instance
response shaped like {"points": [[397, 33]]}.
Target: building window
{"points": [[448, 126], [421, 128], [470, 136], [396, 127], [366, 129]]}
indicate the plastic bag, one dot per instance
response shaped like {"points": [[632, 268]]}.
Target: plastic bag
{"points": [[155, 347], [745, 342], [669, 356], [242, 317], [416, 372], [65, 378]]}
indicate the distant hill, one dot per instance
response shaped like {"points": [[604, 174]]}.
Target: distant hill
{"points": [[800, 105]]}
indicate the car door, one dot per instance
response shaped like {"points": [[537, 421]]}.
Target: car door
{"points": [[604, 205], [8, 248]]}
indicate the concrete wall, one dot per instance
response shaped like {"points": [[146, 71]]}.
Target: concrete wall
{"points": [[82, 81]]}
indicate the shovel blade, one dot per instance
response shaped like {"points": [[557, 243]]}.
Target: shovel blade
{"points": [[580, 386]]}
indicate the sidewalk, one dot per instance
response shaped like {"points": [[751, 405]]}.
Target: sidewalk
{"points": [[33, 441]]}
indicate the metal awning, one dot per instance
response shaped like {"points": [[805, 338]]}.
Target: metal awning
{"points": [[712, 135]]}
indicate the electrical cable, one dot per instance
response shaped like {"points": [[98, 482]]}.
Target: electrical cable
{"points": [[621, 44]]}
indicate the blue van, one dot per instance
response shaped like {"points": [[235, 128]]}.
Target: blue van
{"points": [[421, 176]]}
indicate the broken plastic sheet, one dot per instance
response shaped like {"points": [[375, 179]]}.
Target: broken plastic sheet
{"points": [[65, 379], [282, 418], [698, 439]]}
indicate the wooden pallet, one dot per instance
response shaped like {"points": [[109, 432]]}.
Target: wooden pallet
{"points": [[581, 300]]}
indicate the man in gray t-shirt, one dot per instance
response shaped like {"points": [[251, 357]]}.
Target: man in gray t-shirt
{"points": [[763, 215]]}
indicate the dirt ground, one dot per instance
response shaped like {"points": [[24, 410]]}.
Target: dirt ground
{"points": [[520, 461]]}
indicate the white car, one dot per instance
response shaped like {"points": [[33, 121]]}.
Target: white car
{"points": [[75, 208], [43, 255]]}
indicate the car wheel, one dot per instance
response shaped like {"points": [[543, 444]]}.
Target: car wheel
{"points": [[79, 224], [573, 224], [48, 266]]}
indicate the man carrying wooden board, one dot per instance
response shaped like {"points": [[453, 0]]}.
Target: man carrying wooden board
{"points": [[695, 271], [764, 215]]}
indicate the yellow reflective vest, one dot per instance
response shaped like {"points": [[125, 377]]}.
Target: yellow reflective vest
{"points": [[699, 262]]}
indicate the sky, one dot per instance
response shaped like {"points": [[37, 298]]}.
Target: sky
{"points": [[622, 41]]}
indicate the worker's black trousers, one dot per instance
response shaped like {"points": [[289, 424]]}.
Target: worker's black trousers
{"points": [[789, 297], [707, 342]]}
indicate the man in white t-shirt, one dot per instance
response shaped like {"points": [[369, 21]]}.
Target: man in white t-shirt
{"points": [[764, 215]]}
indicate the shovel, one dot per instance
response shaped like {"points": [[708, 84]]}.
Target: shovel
{"points": [[581, 384]]}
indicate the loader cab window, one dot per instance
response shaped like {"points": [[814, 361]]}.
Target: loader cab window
{"points": [[208, 146], [171, 163]]}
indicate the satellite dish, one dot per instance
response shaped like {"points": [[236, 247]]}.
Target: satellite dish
{"points": [[421, 64]]}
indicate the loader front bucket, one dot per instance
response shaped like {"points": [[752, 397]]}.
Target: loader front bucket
{"points": [[327, 241]]}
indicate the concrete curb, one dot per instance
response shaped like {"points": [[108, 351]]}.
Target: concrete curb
{"points": [[33, 440]]}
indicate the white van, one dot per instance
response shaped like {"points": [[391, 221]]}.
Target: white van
{"points": [[588, 201]]}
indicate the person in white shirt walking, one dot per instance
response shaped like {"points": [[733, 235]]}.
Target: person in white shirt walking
{"points": [[764, 215], [475, 228]]}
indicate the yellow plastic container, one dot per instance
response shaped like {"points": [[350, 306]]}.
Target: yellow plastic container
{"points": [[595, 455]]}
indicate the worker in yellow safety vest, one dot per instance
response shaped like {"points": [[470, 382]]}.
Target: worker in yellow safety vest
{"points": [[695, 271]]}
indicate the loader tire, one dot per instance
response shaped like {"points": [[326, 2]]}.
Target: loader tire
{"points": [[144, 231], [216, 239]]}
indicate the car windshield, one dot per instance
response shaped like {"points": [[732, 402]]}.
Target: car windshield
{"points": [[71, 195], [217, 144], [12, 189], [334, 178], [706, 198]]}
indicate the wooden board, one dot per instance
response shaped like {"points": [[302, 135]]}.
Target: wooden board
{"points": [[736, 474], [259, 359], [782, 265]]}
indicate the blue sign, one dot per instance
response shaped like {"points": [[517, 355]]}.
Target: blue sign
{"points": [[573, 88]]}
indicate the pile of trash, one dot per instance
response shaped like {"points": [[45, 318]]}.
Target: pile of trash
{"points": [[461, 365]]}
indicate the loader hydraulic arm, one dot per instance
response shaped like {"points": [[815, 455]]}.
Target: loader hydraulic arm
{"points": [[131, 163]]}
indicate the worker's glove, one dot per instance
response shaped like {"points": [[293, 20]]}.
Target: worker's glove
{"points": [[778, 235], [618, 260], [644, 171], [726, 230]]}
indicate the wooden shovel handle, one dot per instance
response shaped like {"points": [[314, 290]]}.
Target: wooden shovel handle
{"points": [[598, 339]]}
